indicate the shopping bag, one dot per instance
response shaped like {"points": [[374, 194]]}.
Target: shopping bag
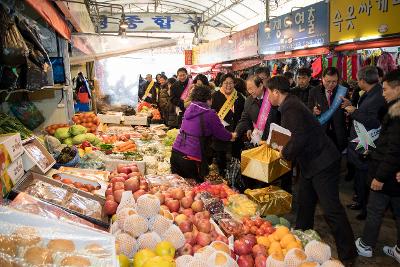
{"points": [[28, 114], [264, 164], [271, 200]]}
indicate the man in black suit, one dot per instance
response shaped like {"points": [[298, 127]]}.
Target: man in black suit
{"points": [[150, 90], [366, 112], [302, 90], [319, 101], [319, 162], [177, 90]]}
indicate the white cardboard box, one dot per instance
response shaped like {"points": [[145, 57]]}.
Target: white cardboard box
{"points": [[135, 120], [111, 117], [30, 162], [11, 144], [16, 170]]}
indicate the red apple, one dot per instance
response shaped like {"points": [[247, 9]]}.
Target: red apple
{"points": [[196, 248], [123, 169], [222, 238], [261, 260], [260, 232], [131, 184], [206, 214], [187, 249], [180, 219], [118, 195], [203, 239], [190, 238], [173, 205], [213, 235], [245, 261], [204, 226], [138, 193], [189, 194], [197, 206], [188, 212], [110, 207], [109, 191], [178, 193], [241, 247], [186, 202], [134, 168], [119, 186], [123, 175], [250, 239], [186, 226], [110, 197], [117, 179], [259, 249]]}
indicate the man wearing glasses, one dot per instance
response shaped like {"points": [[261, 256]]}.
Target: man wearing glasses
{"points": [[324, 101]]}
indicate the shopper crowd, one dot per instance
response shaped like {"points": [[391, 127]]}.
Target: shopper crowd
{"points": [[329, 123]]}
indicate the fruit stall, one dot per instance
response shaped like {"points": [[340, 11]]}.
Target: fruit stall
{"points": [[98, 194]]}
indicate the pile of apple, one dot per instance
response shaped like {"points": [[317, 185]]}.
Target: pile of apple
{"points": [[124, 178], [252, 247], [191, 218], [221, 191]]}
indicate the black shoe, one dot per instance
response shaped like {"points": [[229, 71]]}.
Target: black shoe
{"points": [[354, 206], [362, 216]]}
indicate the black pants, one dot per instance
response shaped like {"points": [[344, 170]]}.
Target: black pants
{"points": [[184, 167], [324, 187], [377, 204], [221, 158], [361, 189]]}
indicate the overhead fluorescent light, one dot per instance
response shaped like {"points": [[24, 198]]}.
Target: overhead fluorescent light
{"points": [[370, 37], [270, 52], [346, 41]]}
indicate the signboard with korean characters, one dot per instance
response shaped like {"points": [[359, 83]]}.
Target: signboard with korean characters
{"points": [[153, 22], [363, 19], [309, 28], [242, 44]]}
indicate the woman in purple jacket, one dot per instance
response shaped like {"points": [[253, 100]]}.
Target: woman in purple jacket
{"points": [[200, 123]]}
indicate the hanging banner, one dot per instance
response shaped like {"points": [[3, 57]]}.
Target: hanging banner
{"points": [[356, 19], [243, 44], [50, 14], [188, 57], [309, 29], [153, 22]]}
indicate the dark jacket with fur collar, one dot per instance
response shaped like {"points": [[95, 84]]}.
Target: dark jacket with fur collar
{"points": [[385, 160]]}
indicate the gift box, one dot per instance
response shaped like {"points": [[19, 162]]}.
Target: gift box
{"points": [[271, 200], [263, 163]]}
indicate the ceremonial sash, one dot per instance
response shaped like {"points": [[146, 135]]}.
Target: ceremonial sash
{"points": [[264, 112], [229, 102], [337, 101], [186, 92], [147, 92]]}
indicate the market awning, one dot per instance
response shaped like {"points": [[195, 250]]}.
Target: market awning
{"points": [[245, 64], [369, 44], [47, 11], [299, 53]]}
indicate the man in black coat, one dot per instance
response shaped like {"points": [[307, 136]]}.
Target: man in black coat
{"points": [[177, 90], [249, 118], [153, 93], [302, 90], [319, 161], [382, 170], [366, 112], [319, 101]]}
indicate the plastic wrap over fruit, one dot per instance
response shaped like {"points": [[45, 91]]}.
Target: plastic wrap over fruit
{"points": [[31, 240], [241, 206], [271, 200]]}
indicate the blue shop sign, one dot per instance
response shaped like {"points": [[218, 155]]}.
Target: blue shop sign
{"points": [[310, 28]]}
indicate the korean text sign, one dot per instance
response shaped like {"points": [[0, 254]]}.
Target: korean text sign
{"points": [[309, 29], [243, 44], [363, 18], [150, 22]]}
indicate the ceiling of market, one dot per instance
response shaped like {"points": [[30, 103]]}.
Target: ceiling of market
{"points": [[219, 18]]}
